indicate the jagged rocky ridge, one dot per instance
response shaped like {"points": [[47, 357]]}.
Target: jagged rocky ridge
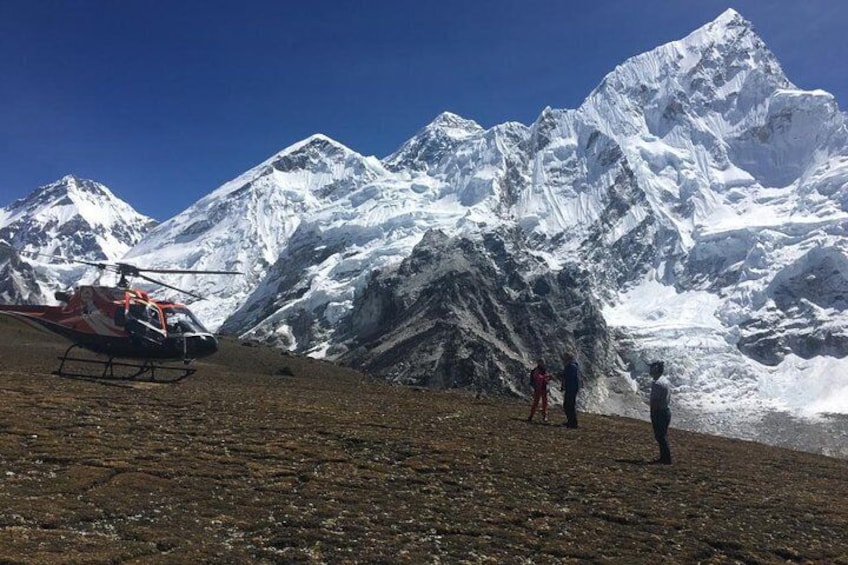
{"points": [[463, 313]]}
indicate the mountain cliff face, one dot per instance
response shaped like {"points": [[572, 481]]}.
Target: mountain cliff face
{"points": [[693, 208], [463, 313]]}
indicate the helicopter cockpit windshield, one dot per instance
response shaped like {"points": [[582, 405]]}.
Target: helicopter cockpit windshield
{"points": [[180, 320]]}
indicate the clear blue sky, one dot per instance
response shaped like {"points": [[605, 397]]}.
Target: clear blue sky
{"points": [[163, 101]]}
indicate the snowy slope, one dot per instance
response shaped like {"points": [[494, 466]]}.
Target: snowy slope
{"points": [[19, 282], [245, 224]]}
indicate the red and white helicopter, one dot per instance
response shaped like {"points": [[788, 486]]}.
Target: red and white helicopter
{"points": [[126, 323]]}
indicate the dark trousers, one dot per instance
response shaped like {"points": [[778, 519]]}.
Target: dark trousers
{"points": [[570, 405], [660, 419]]}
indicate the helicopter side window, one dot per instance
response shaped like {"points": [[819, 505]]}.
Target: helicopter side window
{"points": [[172, 323], [153, 318], [120, 316]]}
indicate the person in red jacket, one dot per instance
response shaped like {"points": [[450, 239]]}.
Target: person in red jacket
{"points": [[539, 379]]}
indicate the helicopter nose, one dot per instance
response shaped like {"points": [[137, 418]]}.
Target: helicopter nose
{"points": [[203, 345]]}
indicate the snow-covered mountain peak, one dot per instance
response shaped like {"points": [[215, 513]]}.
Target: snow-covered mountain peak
{"points": [[722, 72], [317, 154], [69, 186], [318, 145], [434, 141], [248, 221], [730, 28], [453, 125], [728, 17], [73, 183], [709, 125], [736, 40], [728, 21], [549, 125], [73, 217]]}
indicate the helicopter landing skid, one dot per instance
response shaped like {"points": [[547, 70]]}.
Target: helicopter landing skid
{"points": [[127, 371]]}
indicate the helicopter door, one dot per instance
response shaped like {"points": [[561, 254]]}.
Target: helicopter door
{"points": [[144, 321]]}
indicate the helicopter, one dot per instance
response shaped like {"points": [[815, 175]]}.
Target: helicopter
{"points": [[126, 323]]}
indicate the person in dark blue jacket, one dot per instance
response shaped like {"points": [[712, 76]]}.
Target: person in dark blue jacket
{"points": [[570, 377]]}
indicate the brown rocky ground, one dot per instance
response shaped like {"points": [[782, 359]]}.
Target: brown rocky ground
{"points": [[244, 463]]}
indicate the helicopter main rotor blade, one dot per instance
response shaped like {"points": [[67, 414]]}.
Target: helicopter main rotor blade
{"points": [[99, 265], [189, 272], [132, 270], [154, 281]]}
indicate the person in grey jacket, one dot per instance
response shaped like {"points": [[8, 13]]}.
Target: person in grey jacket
{"points": [[660, 411]]}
